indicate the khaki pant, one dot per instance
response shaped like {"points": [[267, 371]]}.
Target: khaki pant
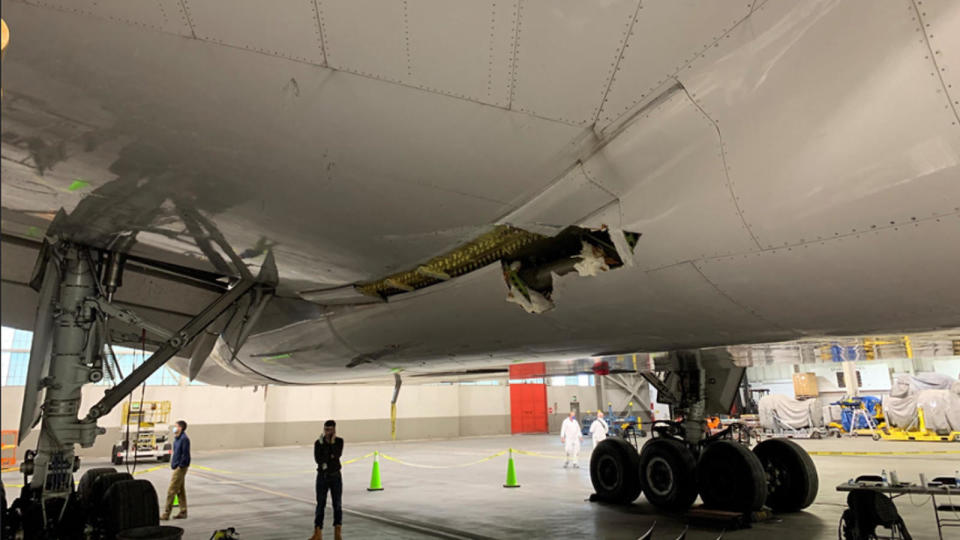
{"points": [[178, 489]]}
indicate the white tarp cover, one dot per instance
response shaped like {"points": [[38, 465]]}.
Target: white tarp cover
{"points": [[905, 384], [936, 393], [792, 412]]}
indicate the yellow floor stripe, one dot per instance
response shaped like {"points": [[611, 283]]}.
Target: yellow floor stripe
{"points": [[151, 469], [498, 454], [282, 474], [387, 457], [904, 453], [75, 482]]}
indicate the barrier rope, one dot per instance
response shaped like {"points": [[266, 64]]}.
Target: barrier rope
{"points": [[275, 474], [421, 466], [356, 459], [537, 454]]}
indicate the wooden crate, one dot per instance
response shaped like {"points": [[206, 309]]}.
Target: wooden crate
{"points": [[805, 385]]}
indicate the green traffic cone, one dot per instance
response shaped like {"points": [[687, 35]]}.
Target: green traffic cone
{"points": [[511, 473], [176, 500], [375, 484]]}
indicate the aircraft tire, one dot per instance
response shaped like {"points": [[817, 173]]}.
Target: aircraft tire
{"points": [[614, 466], [129, 504], [667, 474], [793, 480], [85, 487], [730, 477]]}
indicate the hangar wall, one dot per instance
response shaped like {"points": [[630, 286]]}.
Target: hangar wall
{"points": [[276, 416], [295, 415], [226, 418]]}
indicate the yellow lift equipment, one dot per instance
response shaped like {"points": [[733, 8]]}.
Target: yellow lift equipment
{"points": [[921, 433], [140, 420]]}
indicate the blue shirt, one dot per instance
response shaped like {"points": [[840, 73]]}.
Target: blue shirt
{"points": [[181, 452]]}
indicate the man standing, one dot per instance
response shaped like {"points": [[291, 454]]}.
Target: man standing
{"points": [[326, 452], [570, 436], [598, 429], [179, 462]]}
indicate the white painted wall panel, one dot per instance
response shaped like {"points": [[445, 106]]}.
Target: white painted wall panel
{"points": [[484, 400], [949, 367], [560, 398], [298, 404]]}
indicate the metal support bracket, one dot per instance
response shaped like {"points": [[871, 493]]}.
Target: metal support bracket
{"points": [[664, 394], [169, 349], [129, 317]]}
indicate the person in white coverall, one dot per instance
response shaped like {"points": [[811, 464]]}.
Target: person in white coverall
{"points": [[571, 436], [598, 429]]}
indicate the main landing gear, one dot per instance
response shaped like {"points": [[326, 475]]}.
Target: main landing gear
{"points": [[678, 462]]}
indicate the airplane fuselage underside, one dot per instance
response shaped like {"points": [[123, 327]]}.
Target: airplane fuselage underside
{"points": [[788, 174]]}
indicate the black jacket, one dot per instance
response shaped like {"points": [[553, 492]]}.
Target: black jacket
{"points": [[328, 455]]}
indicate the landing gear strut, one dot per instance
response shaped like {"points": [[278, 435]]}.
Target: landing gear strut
{"points": [[71, 338], [680, 461]]}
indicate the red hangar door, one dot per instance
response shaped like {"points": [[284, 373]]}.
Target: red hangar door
{"points": [[528, 398]]}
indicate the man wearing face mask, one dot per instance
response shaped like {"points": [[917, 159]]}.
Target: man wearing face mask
{"points": [[326, 452], [179, 462]]}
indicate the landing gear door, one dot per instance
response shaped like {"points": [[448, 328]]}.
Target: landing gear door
{"points": [[722, 386]]}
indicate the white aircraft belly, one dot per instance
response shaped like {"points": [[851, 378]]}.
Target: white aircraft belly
{"points": [[793, 167]]}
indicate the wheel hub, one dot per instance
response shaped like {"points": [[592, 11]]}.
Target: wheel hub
{"points": [[608, 472], [775, 475], [659, 476]]}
